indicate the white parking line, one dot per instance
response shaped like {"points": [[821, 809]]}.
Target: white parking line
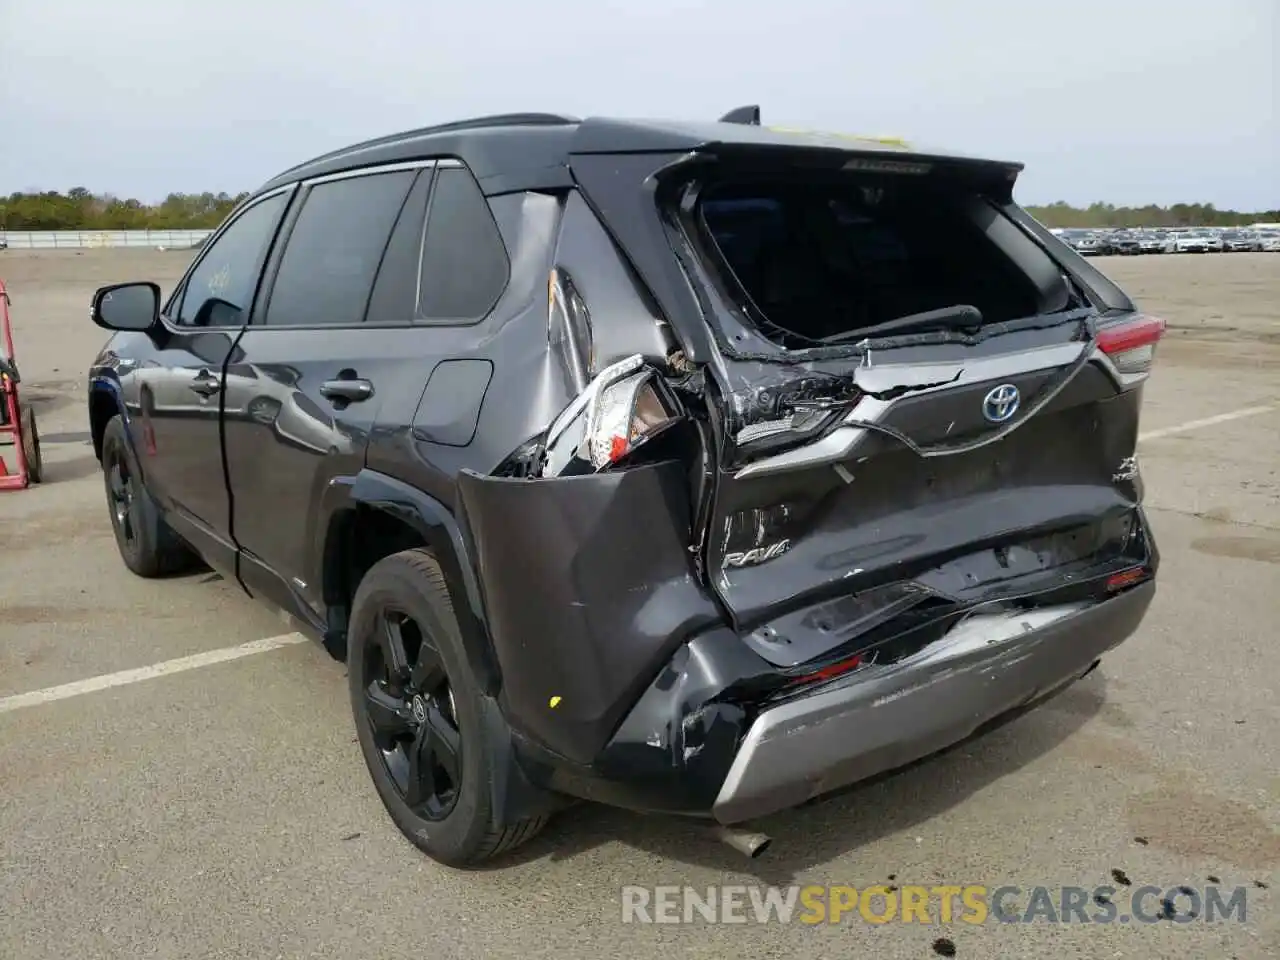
{"points": [[1206, 422], [106, 681]]}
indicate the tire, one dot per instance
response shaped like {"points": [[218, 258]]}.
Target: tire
{"points": [[31, 445], [147, 546], [429, 706]]}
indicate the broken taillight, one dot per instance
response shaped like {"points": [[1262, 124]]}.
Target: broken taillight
{"points": [[1131, 343], [829, 672], [1126, 578], [804, 414], [624, 406], [623, 416]]}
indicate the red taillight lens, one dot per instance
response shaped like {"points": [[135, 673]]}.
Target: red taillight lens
{"points": [[1131, 343], [1125, 578], [830, 672]]}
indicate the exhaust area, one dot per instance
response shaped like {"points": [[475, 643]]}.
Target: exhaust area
{"points": [[745, 842]]}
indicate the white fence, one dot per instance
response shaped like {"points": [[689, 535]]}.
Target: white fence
{"points": [[84, 239]]}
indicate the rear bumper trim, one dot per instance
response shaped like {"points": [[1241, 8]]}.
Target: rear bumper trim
{"points": [[883, 718]]}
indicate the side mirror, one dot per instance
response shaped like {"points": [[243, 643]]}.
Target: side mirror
{"points": [[127, 306]]}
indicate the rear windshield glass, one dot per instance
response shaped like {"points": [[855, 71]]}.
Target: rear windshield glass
{"points": [[821, 259]]}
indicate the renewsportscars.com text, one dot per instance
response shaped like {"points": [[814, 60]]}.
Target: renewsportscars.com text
{"points": [[969, 904]]}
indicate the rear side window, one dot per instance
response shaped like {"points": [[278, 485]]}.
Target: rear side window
{"points": [[220, 288], [333, 251], [446, 262], [464, 264]]}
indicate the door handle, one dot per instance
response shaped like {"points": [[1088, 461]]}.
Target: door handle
{"points": [[349, 391], [205, 383]]}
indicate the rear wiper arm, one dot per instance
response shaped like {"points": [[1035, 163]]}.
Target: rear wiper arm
{"points": [[962, 316]]}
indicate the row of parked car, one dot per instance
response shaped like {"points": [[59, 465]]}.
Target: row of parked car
{"points": [[1172, 240]]}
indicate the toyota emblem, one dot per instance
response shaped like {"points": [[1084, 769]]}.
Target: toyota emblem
{"points": [[1000, 403]]}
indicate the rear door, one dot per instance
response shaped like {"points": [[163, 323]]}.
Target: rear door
{"points": [[984, 453], [348, 331]]}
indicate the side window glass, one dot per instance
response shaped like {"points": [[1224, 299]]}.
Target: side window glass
{"points": [[334, 248], [464, 264], [218, 292], [395, 290]]}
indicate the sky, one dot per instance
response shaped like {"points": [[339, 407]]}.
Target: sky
{"points": [[1126, 101]]}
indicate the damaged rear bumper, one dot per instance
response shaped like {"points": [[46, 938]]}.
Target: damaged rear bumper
{"points": [[881, 719], [624, 682]]}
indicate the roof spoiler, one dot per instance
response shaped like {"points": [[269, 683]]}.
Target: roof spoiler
{"points": [[747, 115]]}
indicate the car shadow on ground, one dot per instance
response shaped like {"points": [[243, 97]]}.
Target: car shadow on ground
{"points": [[832, 826], [49, 396], [77, 468]]}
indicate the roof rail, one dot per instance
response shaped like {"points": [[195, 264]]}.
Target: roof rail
{"points": [[501, 120], [747, 115], [475, 123]]}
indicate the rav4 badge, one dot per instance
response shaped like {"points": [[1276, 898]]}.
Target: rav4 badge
{"points": [[746, 558]]}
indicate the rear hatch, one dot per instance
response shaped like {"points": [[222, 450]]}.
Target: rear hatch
{"points": [[918, 395]]}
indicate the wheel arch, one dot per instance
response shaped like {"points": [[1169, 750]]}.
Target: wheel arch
{"points": [[377, 515], [105, 401]]}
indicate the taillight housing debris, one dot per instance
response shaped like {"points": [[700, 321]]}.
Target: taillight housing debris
{"points": [[1131, 343], [796, 426], [569, 328], [799, 416]]}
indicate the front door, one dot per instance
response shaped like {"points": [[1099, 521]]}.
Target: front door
{"points": [[177, 430]]}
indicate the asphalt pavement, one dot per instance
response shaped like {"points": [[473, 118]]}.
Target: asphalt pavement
{"points": [[219, 806]]}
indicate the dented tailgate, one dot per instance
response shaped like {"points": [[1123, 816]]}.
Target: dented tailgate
{"points": [[918, 483], [856, 476]]}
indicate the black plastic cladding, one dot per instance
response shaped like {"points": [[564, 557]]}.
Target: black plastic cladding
{"points": [[674, 748]]}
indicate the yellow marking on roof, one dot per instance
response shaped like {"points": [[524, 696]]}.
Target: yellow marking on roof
{"points": [[886, 139]]}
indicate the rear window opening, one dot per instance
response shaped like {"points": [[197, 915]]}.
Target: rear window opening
{"points": [[825, 260]]}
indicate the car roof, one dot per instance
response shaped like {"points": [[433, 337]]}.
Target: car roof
{"points": [[494, 147], [528, 151]]}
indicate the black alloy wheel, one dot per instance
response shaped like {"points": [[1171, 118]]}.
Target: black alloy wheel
{"points": [[122, 497], [410, 709], [147, 545], [436, 746]]}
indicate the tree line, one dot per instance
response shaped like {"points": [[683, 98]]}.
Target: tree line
{"points": [[78, 209], [1179, 215]]}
